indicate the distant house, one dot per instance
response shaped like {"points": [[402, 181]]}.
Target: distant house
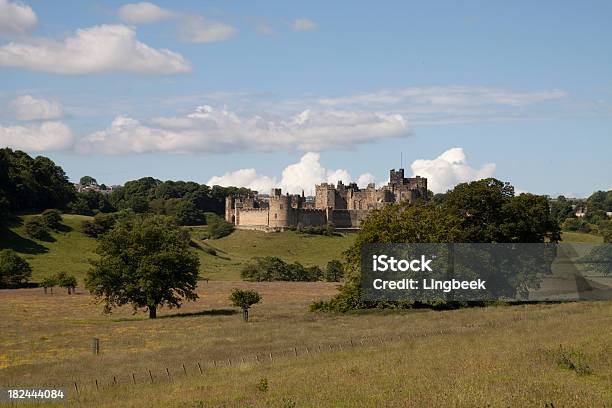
{"points": [[580, 212]]}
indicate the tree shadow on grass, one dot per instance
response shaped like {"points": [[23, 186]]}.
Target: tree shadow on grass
{"points": [[9, 239], [211, 312], [64, 228]]}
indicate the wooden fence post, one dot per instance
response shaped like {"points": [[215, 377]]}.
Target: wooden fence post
{"points": [[133, 378], [199, 367], [76, 387], [95, 345], [151, 376], [97, 387], [168, 373], [184, 370]]}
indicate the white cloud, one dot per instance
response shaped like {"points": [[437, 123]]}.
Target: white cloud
{"points": [[365, 179], [219, 130], [295, 178], [16, 17], [198, 30], [453, 104], [303, 24], [46, 136], [27, 107], [103, 48], [244, 178], [449, 169], [143, 13]]}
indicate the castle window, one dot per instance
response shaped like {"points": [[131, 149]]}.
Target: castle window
{"points": [[275, 216], [281, 206]]}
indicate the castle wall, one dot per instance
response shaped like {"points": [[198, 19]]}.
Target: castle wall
{"points": [[348, 218], [311, 217], [252, 217]]}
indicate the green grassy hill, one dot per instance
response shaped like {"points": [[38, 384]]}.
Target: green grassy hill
{"points": [[69, 250], [237, 249]]}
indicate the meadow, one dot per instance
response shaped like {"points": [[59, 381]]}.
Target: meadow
{"points": [[70, 250], [287, 356]]}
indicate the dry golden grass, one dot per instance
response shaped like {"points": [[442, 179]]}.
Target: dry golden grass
{"points": [[497, 356]]}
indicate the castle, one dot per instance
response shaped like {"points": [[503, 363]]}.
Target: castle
{"points": [[343, 206]]}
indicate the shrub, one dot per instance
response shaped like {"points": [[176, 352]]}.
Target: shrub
{"points": [[14, 270], [271, 268], [66, 281], [101, 223], [217, 226], [571, 360], [263, 384], [334, 271], [36, 228], [51, 218]]}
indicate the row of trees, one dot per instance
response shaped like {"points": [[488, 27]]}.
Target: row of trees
{"points": [[187, 201], [271, 268], [28, 183]]}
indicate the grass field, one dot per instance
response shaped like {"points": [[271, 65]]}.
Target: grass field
{"points": [[70, 250], [495, 356], [527, 355]]}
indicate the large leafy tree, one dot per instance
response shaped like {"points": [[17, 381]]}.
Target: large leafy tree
{"points": [[483, 211], [145, 261], [14, 270]]}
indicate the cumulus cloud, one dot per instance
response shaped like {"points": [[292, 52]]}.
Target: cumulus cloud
{"points": [[46, 136], [449, 169], [295, 178], [196, 29], [143, 13], [27, 107], [303, 24], [103, 48], [16, 18], [213, 130]]}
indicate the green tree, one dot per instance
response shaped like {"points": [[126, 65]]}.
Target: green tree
{"points": [[66, 281], [244, 299], [14, 270], [36, 228], [48, 283], [334, 271], [188, 214], [87, 181], [217, 226], [144, 261], [51, 218]]}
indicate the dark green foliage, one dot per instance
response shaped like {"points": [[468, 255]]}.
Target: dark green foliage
{"points": [[217, 226], [577, 225], [51, 218], [28, 183], [36, 228], [272, 268], [87, 181], [100, 224], [188, 214], [14, 270], [327, 230], [91, 202], [334, 271], [144, 261], [561, 209], [480, 211]]}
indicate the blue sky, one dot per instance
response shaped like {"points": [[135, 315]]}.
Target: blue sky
{"points": [[290, 94]]}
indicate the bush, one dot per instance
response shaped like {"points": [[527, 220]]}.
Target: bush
{"points": [[217, 226], [51, 218], [14, 270], [100, 224], [334, 271], [272, 268], [576, 225], [36, 228], [327, 230]]}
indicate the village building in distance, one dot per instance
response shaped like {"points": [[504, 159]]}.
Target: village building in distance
{"points": [[343, 206]]}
